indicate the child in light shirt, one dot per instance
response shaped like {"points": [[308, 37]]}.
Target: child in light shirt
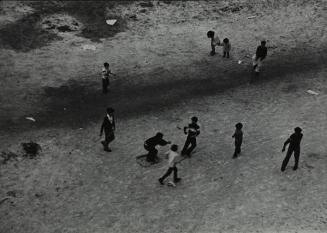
{"points": [[215, 41], [173, 159]]}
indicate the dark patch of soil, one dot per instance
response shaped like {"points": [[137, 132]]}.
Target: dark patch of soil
{"points": [[25, 34], [146, 4], [65, 28], [77, 104], [92, 14]]}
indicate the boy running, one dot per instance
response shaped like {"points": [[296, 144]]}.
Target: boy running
{"points": [[173, 159]]}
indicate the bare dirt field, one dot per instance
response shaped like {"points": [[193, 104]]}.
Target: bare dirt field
{"points": [[50, 64]]}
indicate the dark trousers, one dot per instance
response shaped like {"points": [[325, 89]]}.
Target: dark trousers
{"points": [[213, 50], [187, 149], [152, 153], [288, 156], [237, 149], [169, 171], [226, 54], [109, 137], [105, 84]]}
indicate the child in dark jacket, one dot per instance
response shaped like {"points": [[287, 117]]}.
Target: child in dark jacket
{"points": [[238, 135]]}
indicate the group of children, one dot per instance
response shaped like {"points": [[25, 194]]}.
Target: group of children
{"points": [[193, 129], [257, 58]]}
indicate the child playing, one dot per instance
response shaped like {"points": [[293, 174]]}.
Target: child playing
{"points": [[215, 41], [259, 56], [150, 145], [192, 131], [105, 77], [238, 135], [226, 47], [173, 159], [294, 140], [108, 126]]}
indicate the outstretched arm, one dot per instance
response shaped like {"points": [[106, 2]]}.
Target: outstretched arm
{"points": [[285, 144]]}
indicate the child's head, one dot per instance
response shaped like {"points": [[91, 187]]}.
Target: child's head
{"points": [[194, 119], [239, 126], [174, 148], [106, 65], [110, 110], [298, 130], [159, 135], [263, 43], [210, 34], [226, 40]]}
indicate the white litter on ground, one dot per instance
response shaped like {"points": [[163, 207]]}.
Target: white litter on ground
{"points": [[30, 118], [239, 62], [252, 17], [89, 47], [312, 92], [111, 21]]}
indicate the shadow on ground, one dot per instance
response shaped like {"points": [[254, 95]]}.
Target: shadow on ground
{"points": [[77, 104]]}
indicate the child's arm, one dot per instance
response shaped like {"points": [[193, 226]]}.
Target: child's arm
{"points": [[185, 128], [285, 144]]}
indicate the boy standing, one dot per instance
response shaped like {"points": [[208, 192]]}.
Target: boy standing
{"points": [[192, 131], [109, 127], [150, 145], [106, 72], [259, 56], [215, 41], [294, 140], [226, 47], [173, 159], [238, 135]]}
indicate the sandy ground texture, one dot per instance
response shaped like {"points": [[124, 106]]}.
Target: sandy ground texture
{"points": [[165, 75]]}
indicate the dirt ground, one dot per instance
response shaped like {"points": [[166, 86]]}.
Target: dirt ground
{"points": [[160, 53]]}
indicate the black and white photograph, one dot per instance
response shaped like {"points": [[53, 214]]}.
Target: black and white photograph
{"points": [[158, 116]]}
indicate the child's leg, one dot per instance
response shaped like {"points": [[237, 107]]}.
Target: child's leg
{"points": [[193, 145], [104, 86], [296, 157], [213, 50], [227, 54], [176, 179], [224, 54], [152, 154], [187, 143], [287, 158], [168, 172]]}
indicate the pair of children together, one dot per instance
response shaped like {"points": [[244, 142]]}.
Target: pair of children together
{"points": [[192, 131], [215, 41]]}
